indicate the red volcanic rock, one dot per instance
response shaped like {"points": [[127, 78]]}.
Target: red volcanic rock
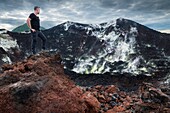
{"points": [[101, 98], [98, 87], [116, 109], [91, 103], [39, 85], [112, 89]]}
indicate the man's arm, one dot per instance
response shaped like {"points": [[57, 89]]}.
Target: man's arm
{"points": [[29, 24]]}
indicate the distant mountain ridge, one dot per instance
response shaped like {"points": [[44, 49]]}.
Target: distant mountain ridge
{"points": [[24, 28], [116, 47]]}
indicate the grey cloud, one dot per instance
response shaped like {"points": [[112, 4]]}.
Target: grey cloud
{"points": [[153, 13]]}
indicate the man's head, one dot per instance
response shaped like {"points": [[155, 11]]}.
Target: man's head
{"points": [[37, 10]]}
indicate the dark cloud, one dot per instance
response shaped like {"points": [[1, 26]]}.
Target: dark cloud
{"points": [[153, 13]]}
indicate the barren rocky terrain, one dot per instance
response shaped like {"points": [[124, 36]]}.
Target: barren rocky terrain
{"points": [[114, 67], [38, 84]]}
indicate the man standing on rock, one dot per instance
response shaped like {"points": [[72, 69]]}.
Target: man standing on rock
{"points": [[33, 23]]}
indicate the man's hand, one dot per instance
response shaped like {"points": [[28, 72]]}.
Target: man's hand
{"points": [[33, 30]]}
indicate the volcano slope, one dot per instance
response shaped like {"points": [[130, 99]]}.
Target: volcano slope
{"points": [[38, 85], [122, 46]]}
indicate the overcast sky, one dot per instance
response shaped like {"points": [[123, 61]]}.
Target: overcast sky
{"points": [[152, 13]]}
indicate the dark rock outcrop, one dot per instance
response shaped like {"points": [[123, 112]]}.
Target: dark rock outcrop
{"points": [[120, 46]]}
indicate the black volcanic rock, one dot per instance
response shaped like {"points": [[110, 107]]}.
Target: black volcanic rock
{"points": [[121, 46]]}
